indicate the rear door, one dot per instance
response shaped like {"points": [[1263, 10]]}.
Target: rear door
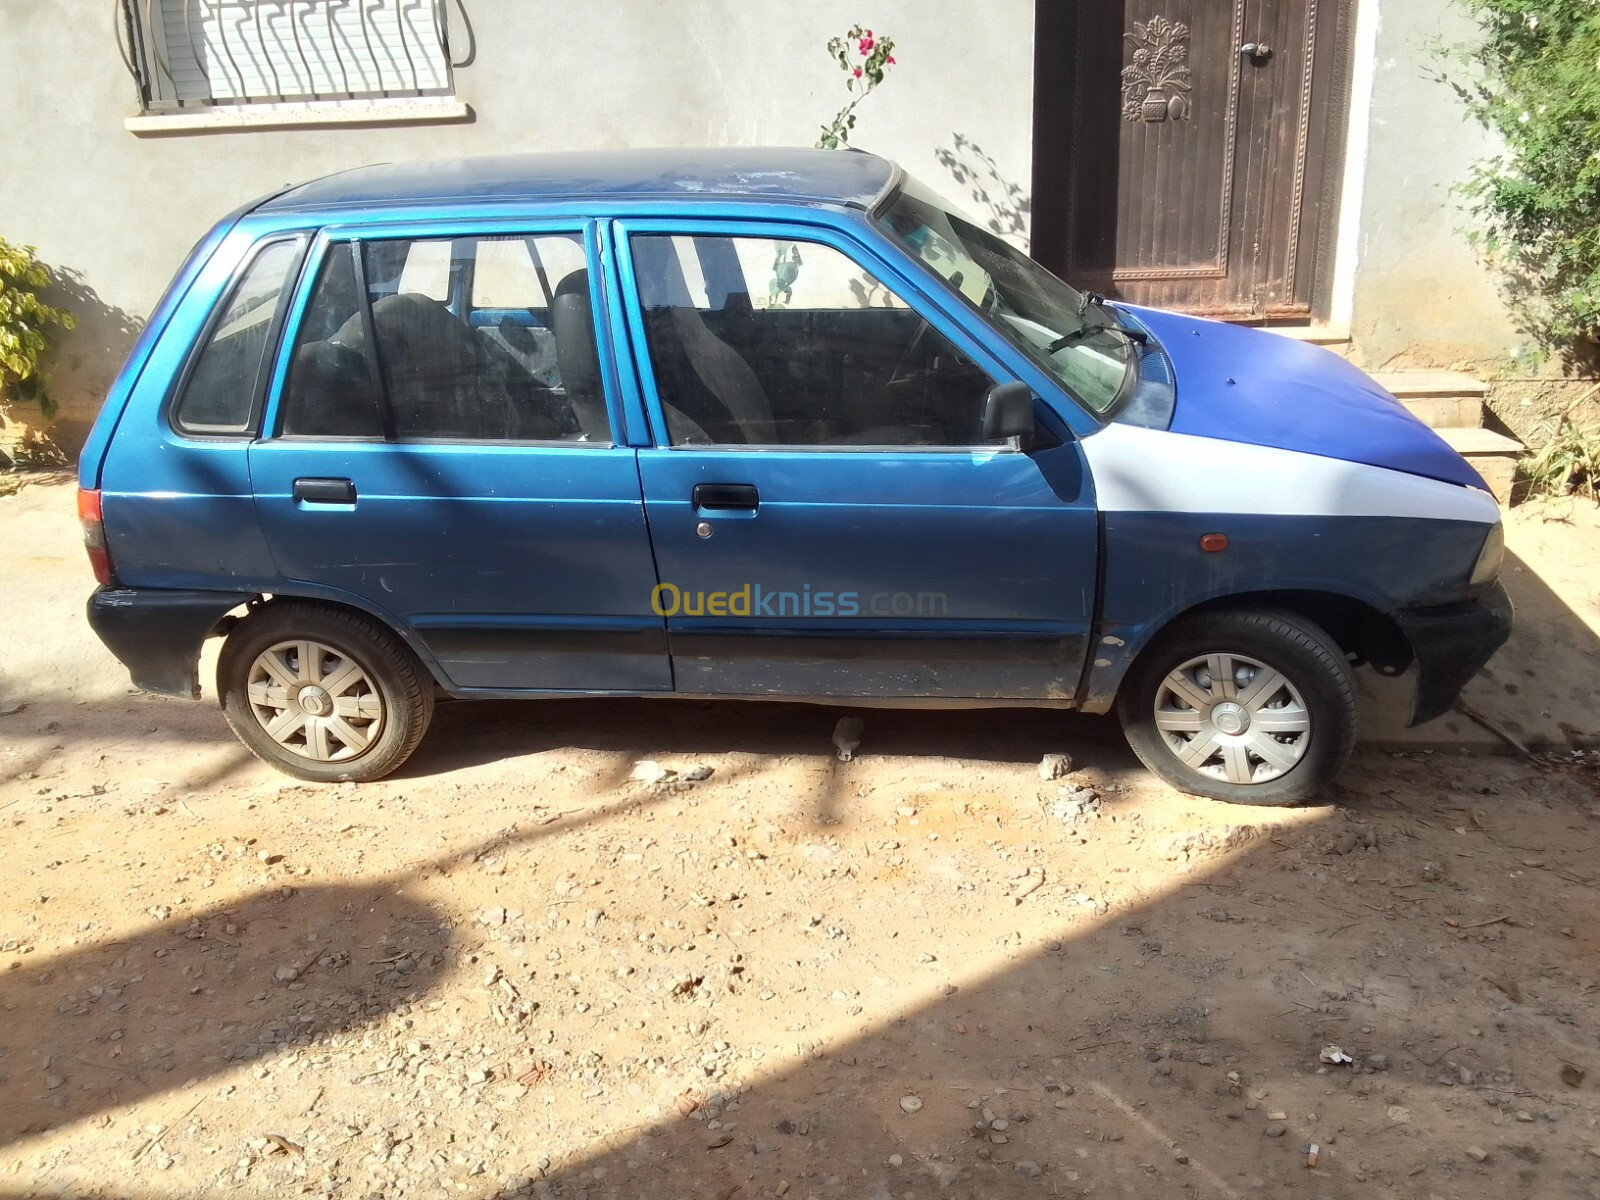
{"points": [[439, 452], [827, 517]]}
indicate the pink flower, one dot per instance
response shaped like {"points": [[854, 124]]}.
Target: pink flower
{"points": [[867, 43], [858, 72], [889, 61]]}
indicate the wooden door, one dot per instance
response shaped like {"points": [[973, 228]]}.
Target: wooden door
{"points": [[1187, 152]]}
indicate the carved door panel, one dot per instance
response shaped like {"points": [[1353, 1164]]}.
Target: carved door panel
{"points": [[1186, 151]]}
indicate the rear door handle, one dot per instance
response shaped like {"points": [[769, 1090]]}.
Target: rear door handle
{"points": [[726, 495], [324, 491]]}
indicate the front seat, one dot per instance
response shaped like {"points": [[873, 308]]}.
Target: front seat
{"points": [[727, 376], [577, 358]]}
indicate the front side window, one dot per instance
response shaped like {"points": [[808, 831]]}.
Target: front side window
{"points": [[762, 341], [459, 339], [219, 396], [1088, 350]]}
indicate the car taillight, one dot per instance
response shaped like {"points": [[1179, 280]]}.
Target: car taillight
{"points": [[94, 534]]}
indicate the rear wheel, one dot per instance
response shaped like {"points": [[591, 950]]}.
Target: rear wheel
{"points": [[323, 694], [1248, 706]]}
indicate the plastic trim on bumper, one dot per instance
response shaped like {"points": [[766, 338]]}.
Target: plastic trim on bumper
{"points": [[1452, 644], [157, 633]]}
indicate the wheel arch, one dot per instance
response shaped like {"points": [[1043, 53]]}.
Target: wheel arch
{"points": [[339, 601], [1363, 631]]}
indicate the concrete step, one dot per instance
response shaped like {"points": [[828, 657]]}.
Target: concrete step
{"points": [[1330, 337], [1491, 454], [1442, 399]]}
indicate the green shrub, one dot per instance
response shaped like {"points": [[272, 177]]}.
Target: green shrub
{"points": [[27, 325], [1539, 89]]}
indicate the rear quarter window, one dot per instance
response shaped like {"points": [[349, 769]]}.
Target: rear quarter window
{"points": [[220, 391]]}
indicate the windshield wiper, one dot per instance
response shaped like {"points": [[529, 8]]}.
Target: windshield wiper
{"points": [[1137, 336]]}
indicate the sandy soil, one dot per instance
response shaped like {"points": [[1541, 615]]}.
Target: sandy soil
{"points": [[517, 968]]}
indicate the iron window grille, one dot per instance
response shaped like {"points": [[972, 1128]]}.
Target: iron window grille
{"points": [[186, 54]]}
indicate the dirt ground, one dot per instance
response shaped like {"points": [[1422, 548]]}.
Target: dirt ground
{"points": [[520, 967]]}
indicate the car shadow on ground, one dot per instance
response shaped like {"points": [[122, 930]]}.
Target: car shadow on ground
{"points": [[1140, 1050]]}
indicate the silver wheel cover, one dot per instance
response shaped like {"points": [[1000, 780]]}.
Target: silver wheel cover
{"points": [[1233, 718], [315, 701]]}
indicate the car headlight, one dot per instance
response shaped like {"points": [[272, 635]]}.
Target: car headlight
{"points": [[1487, 569]]}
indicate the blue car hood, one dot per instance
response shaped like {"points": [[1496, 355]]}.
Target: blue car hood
{"points": [[1244, 385]]}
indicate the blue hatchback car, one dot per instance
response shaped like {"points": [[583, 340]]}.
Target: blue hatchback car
{"points": [[753, 423]]}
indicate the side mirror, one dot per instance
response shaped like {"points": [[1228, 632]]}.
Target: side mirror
{"points": [[1008, 414]]}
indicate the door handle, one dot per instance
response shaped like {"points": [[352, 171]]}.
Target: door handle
{"points": [[713, 496], [324, 491], [1259, 51]]}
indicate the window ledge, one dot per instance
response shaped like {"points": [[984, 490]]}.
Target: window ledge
{"points": [[381, 111]]}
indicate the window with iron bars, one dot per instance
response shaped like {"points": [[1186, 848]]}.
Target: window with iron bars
{"points": [[193, 54]]}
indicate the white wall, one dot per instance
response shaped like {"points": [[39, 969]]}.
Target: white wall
{"points": [[119, 211], [1420, 296]]}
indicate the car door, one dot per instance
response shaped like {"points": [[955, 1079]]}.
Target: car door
{"points": [[440, 453], [827, 518]]}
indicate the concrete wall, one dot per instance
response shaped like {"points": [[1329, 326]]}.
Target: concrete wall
{"points": [[1422, 296], [117, 212]]}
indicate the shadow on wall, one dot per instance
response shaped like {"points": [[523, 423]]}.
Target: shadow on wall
{"points": [[1001, 204], [79, 374]]}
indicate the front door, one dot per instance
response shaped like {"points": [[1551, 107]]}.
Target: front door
{"points": [[1187, 152], [827, 517], [441, 454]]}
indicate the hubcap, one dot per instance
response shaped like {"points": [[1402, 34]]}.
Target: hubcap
{"points": [[1233, 718], [314, 700]]}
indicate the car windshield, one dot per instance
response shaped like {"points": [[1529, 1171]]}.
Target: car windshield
{"points": [[1077, 342]]}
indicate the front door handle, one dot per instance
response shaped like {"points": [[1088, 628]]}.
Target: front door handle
{"points": [[712, 496], [324, 491], [1259, 51]]}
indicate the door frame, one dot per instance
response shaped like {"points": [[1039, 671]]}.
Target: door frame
{"points": [[1316, 223]]}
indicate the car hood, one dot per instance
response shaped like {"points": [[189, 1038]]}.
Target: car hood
{"points": [[1244, 385]]}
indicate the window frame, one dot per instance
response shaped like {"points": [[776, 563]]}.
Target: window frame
{"points": [[328, 238], [861, 252], [288, 291]]}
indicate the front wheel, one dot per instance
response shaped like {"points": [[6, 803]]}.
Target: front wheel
{"points": [[323, 694], [1247, 706]]}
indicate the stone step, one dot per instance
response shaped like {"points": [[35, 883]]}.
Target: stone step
{"points": [[1446, 412], [1441, 399], [1330, 337], [1423, 385], [1492, 455]]}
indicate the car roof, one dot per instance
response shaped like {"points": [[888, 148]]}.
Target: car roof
{"points": [[849, 178]]}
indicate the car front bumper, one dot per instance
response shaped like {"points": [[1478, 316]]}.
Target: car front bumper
{"points": [[1452, 644], [158, 632]]}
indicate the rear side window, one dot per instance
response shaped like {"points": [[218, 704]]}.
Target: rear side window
{"points": [[219, 397], [453, 339]]}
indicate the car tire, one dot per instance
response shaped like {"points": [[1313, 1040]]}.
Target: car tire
{"points": [[1241, 736], [323, 694]]}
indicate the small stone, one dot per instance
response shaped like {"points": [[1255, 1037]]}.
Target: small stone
{"points": [[999, 1125], [1054, 766], [910, 1104], [286, 974], [492, 916], [895, 1160], [53, 1081], [1477, 1154], [1277, 1116], [1276, 1130], [1376, 1062], [1524, 1115], [1027, 1168], [998, 1139], [649, 772]]}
